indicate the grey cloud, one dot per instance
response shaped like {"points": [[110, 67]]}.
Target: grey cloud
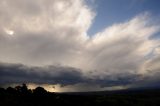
{"points": [[18, 73]]}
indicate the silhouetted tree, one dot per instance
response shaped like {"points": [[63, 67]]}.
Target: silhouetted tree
{"points": [[2, 91], [40, 91], [11, 91], [21, 88], [24, 89]]}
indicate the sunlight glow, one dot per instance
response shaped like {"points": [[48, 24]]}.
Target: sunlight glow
{"points": [[9, 32]]}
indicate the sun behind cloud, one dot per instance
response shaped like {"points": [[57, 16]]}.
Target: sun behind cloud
{"points": [[9, 32]]}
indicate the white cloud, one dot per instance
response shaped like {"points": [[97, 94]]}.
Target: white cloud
{"points": [[123, 47], [51, 32], [45, 31]]}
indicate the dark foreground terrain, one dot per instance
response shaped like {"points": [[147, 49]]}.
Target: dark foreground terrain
{"points": [[22, 96]]}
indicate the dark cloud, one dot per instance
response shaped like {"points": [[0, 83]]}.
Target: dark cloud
{"points": [[18, 73]]}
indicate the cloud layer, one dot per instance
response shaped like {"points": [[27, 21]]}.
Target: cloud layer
{"points": [[43, 33], [19, 73]]}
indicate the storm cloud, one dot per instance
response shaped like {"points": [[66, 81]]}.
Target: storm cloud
{"points": [[18, 73], [46, 41]]}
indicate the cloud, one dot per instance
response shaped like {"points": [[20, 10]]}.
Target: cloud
{"points": [[18, 73], [123, 47], [43, 33], [43, 29], [71, 79]]}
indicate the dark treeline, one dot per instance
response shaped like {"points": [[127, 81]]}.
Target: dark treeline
{"points": [[22, 96]]}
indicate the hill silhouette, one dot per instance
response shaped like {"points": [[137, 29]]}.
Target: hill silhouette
{"points": [[22, 96]]}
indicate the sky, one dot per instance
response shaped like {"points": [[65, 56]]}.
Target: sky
{"points": [[115, 11], [80, 45]]}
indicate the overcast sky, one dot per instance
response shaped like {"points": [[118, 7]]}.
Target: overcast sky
{"points": [[77, 44]]}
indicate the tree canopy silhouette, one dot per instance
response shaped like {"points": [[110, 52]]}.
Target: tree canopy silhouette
{"points": [[22, 96], [40, 91]]}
